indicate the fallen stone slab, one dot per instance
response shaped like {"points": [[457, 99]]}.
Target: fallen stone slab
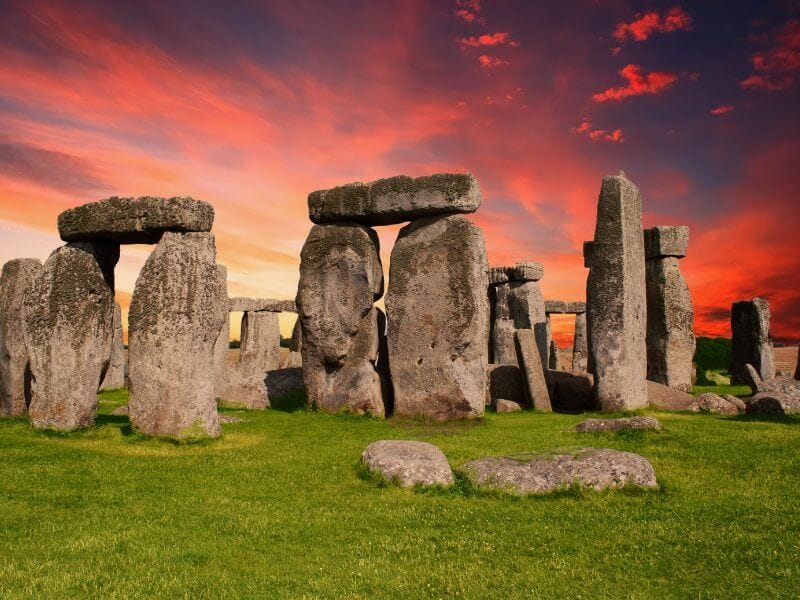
{"points": [[773, 403], [714, 404], [563, 307], [665, 398], [621, 424], [543, 473], [396, 199], [242, 304], [134, 220], [408, 463], [507, 406]]}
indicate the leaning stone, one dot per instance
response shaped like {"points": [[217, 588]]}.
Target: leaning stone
{"points": [[773, 403], [531, 364], [626, 423], [438, 315], [527, 270], [517, 305], [666, 241], [241, 304], [752, 378], [616, 300], [665, 398], [751, 339], [507, 406], [134, 220], [115, 374], [396, 199], [16, 284], [712, 403], [177, 310], [737, 402], [408, 463], [340, 278], [580, 345], [505, 382], [562, 307], [69, 317], [596, 468]]}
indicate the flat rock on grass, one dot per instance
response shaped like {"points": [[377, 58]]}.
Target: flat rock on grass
{"points": [[666, 398], [595, 425], [408, 463], [596, 468], [713, 403], [507, 406]]}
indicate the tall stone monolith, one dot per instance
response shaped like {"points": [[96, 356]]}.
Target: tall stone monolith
{"points": [[438, 314], [222, 343], [751, 340], [670, 315], [69, 316], [177, 310], [16, 282], [616, 302], [260, 341], [580, 348], [115, 374], [340, 278]]}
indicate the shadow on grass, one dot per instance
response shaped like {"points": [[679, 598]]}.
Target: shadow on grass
{"points": [[422, 426], [291, 402], [777, 419]]}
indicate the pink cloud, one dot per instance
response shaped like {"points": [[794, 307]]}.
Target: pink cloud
{"points": [[644, 25], [489, 62], [597, 135], [638, 83], [722, 110], [776, 68], [499, 38]]}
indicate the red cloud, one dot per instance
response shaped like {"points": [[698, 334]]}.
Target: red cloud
{"points": [[469, 10], [638, 84], [585, 128], [641, 28], [489, 62], [722, 110], [469, 17], [488, 39], [775, 69]]}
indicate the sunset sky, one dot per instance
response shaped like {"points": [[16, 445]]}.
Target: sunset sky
{"points": [[252, 105]]}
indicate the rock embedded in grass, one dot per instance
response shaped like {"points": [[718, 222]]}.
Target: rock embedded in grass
{"points": [[713, 403], [665, 398], [408, 463], [595, 468], [737, 402], [625, 423], [507, 406]]}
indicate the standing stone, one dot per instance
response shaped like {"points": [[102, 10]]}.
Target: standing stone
{"points": [[616, 299], [68, 332], [580, 348], [531, 364], [260, 342], [670, 316], [438, 318], [340, 278], [294, 359], [751, 340], [526, 304], [115, 374], [16, 284], [177, 310], [222, 343], [503, 328], [553, 358]]}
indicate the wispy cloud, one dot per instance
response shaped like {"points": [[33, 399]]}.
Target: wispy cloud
{"points": [[645, 25], [489, 62], [598, 135], [722, 110], [639, 83], [776, 68], [500, 38]]}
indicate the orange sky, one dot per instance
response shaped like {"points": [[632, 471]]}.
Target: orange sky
{"points": [[252, 107]]}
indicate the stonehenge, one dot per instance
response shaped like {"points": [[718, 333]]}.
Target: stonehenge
{"points": [[580, 349], [616, 303], [579, 345], [670, 316], [751, 340], [535, 382], [16, 282], [115, 374]]}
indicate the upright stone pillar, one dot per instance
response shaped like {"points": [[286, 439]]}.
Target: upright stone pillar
{"points": [[580, 348], [503, 328], [340, 278], [751, 340], [115, 374], [16, 283], [670, 316], [438, 318], [294, 359], [69, 317], [260, 342], [616, 299], [177, 310], [553, 358], [222, 343]]}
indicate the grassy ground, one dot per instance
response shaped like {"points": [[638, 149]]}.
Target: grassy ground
{"points": [[742, 391], [276, 509]]}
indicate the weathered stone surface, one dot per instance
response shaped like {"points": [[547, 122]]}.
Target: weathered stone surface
{"points": [[570, 391], [752, 378], [580, 345], [222, 343], [527, 270], [713, 403], [666, 398], [177, 310], [505, 382], [597, 468], [16, 284], [507, 406], [517, 305], [260, 342], [294, 358], [396, 199], [340, 278], [499, 275], [438, 315], [598, 425], [242, 304], [284, 381], [408, 463], [751, 340], [68, 332], [737, 402], [243, 389], [782, 385], [115, 374], [563, 307], [670, 324], [531, 363], [773, 403], [588, 251], [503, 328], [615, 298], [666, 241], [134, 220]]}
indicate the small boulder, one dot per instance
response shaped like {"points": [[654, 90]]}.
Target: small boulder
{"points": [[597, 425], [507, 406], [772, 403], [712, 403], [408, 463], [596, 468], [665, 398], [737, 402]]}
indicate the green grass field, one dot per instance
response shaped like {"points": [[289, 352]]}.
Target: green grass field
{"points": [[276, 509]]}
